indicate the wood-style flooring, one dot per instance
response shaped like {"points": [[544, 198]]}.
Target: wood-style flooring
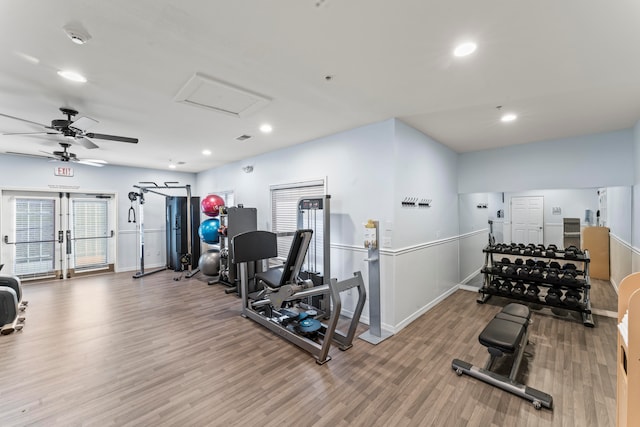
{"points": [[113, 351]]}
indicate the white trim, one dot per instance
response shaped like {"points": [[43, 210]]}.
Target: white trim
{"points": [[298, 184], [471, 276], [473, 233], [622, 242]]}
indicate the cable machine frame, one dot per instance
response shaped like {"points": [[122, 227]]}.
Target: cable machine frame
{"points": [[152, 187]]}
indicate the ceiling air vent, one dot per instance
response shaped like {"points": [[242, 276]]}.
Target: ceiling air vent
{"points": [[243, 137]]}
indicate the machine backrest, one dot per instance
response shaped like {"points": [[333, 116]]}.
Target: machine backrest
{"points": [[254, 246], [297, 253]]}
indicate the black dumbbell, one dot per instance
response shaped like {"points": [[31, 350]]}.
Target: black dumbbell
{"points": [[523, 272], [527, 252], [496, 269], [518, 289], [550, 253], [494, 284], [541, 247], [505, 287], [552, 247], [572, 298], [568, 278], [515, 250], [569, 266], [509, 271], [518, 261], [532, 292], [536, 273], [505, 261], [531, 246], [554, 264], [541, 264], [536, 252], [530, 263], [552, 276], [553, 296]]}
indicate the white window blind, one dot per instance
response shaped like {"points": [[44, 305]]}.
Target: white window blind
{"points": [[35, 233], [90, 231], [284, 218]]}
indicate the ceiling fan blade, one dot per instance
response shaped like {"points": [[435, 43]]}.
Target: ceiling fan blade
{"points": [[23, 120], [13, 153], [32, 133], [83, 123], [91, 162], [89, 145], [111, 137]]}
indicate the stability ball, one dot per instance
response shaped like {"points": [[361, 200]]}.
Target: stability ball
{"points": [[211, 205], [208, 230], [209, 262]]}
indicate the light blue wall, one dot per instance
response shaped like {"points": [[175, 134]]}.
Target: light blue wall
{"points": [[619, 214], [425, 169], [355, 163], [599, 160]]}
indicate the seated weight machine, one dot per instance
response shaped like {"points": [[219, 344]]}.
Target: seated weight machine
{"points": [[282, 302], [12, 305]]}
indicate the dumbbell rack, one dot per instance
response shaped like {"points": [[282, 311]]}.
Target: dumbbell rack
{"points": [[499, 277]]}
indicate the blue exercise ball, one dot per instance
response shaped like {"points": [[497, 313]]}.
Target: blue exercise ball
{"points": [[208, 230]]}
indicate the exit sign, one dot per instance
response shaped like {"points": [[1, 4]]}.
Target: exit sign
{"points": [[63, 171]]}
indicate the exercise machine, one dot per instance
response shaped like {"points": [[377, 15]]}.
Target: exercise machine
{"points": [[279, 299], [183, 243], [12, 305], [507, 334]]}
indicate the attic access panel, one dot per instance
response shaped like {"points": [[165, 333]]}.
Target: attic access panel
{"points": [[206, 92]]}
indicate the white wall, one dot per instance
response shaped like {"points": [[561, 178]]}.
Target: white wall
{"points": [[24, 173], [599, 160], [619, 217], [635, 227]]}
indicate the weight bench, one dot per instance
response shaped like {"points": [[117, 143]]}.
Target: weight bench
{"points": [[506, 334]]}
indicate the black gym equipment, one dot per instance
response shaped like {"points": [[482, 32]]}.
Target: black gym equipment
{"points": [[11, 304], [182, 238], [519, 288], [506, 334], [532, 292], [553, 296], [281, 296], [572, 298], [545, 281], [505, 287]]}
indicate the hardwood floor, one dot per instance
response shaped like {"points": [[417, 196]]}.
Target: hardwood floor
{"points": [[111, 350]]}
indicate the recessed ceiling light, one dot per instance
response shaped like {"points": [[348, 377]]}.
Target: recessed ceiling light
{"points": [[266, 128], [73, 76], [206, 152], [508, 117], [172, 166], [465, 49]]}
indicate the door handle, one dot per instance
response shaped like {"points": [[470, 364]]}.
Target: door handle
{"points": [[68, 242], [60, 236]]}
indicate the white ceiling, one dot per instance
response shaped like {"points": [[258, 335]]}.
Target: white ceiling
{"points": [[567, 68]]}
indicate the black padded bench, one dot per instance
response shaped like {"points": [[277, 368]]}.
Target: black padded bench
{"points": [[506, 334]]}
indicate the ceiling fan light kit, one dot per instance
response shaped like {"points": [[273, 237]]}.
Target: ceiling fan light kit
{"points": [[74, 130]]}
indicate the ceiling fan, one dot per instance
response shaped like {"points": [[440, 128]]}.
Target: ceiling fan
{"points": [[75, 130], [64, 156]]}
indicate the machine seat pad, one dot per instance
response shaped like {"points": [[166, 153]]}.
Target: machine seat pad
{"points": [[271, 277], [519, 310], [502, 334]]}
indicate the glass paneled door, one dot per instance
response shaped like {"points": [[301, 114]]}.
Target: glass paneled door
{"points": [[49, 235]]}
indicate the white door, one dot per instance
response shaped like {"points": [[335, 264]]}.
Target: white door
{"points": [[50, 234], [527, 219], [32, 244]]}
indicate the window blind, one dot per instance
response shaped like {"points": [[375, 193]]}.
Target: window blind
{"points": [[35, 233], [284, 218], [90, 229]]}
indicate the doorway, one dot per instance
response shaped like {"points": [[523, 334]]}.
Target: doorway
{"points": [[51, 234], [527, 219]]}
